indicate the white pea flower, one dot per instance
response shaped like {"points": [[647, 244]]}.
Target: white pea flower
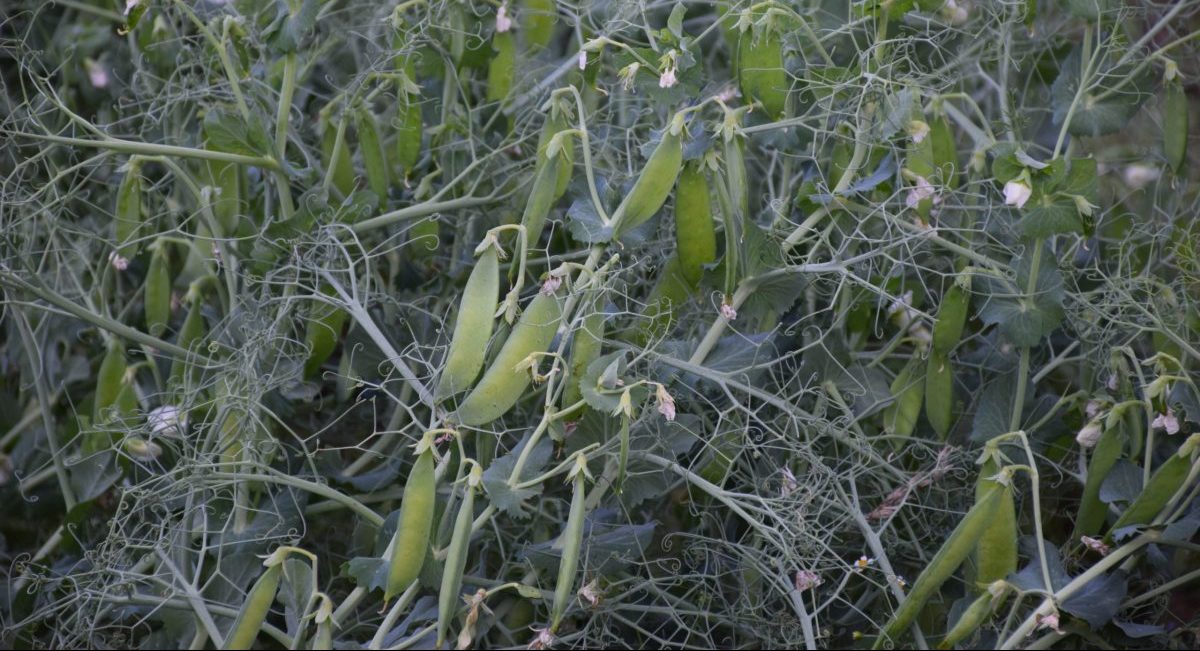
{"points": [[166, 420], [1049, 621], [1016, 193], [1167, 421], [1095, 545], [923, 190], [97, 75], [582, 60], [954, 14], [503, 22], [551, 285], [1092, 409], [1139, 176], [119, 262], [667, 79], [130, 4], [1089, 435], [807, 580]]}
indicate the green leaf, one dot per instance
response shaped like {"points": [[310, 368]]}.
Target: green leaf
{"points": [[1094, 115], [1024, 320], [675, 21], [369, 572], [495, 479], [226, 131], [584, 223], [1050, 217], [599, 383]]}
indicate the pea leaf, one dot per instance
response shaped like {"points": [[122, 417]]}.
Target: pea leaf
{"points": [[370, 572], [1099, 599], [675, 21], [1024, 320], [1051, 216], [226, 131], [584, 224], [507, 498], [1100, 110], [1123, 483]]}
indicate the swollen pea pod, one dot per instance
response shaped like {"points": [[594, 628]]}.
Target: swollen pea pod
{"points": [[586, 345], [654, 184], [1163, 484], [939, 393], [255, 608], [695, 237], [191, 332], [900, 417], [129, 210], [505, 380], [502, 66], [541, 198], [343, 171], [537, 19], [370, 145], [735, 170], [953, 552], [472, 327], [571, 542], [560, 112], [975, 614], [1175, 124], [410, 543], [1092, 511], [321, 333], [456, 554], [952, 316], [760, 67], [157, 291], [996, 553]]}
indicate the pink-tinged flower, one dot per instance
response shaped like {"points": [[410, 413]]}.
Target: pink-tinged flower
{"points": [[1095, 545], [666, 404], [728, 94], [923, 190], [119, 262], [1139, 176], [954, 14], [582, 60], [543, 640], [503, 22], [807, 580], [667, 79], [590, 592], [551, 285], [97, 75], [918, 130], [165, 420], [1049, 621], [790, 484], [130, 4], [1089, 435], [1092, 409], [728, 311], [1167, 421], [1016, 193]]}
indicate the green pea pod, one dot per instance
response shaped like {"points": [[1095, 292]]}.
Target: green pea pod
{"points": [[900, 417], [537, 20], [939, 393], [472, 327], [945, 151], [254, 610], [760, 68], [109, 380], [1092, 511], [343, 167], [504, 382], [1163, 484], [456, 556], [191, 333], [919, 156], [996, 553], [735, 176], [565, 160], [586, 345], [410, 543], [409, 126], [227, 202], [695, 237], [570, 543], [370, 145], [501, 67], [157, 292], [952, 316], [971, 619], [1175, 125], [129, 210], [654, 184], [541, 198], [321, 333], [953, 552]]}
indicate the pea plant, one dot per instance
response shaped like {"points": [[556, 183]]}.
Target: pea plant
{"points": [[655, 323]]}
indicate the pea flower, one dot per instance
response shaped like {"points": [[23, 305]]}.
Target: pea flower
{"points": [[918, 130], [628, 75], [666, 404], [924, 190], [667, 79], [728, 311], [119, 262], [503, 22], [1016, 193], [142, 450], [1139, 176], [96, 73], [1095, 545], [165, 420], [1167, 421], [582, 60], [130, 4], [807, 580], [1089, 435]]}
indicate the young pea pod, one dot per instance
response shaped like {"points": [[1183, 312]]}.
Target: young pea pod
{"points": [[472, 327], [954, 551], [585, 348], [410, 543], [109, 380], [654, 184], [975, 615], [370, 144], [952, 316], [735, 175], [557, 121], [255, 609], [939, 393], [409, 127], [227, 201], [760, 67], [323, 618], [695, 238], [336, 153], [996, 553], [945, 151], [501, 67], [191, 332], [541, 198], [1108, 450], [537, 19], [321, 333], [129, 210], [570, 543], [1175, 124], [506, 379], [1163, 485], [456, 555], [157, 292], [900, 417]]}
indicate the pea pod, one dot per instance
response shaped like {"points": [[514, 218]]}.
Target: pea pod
{"points": [[504, 382], [321, 333], [541, 198], [537, 19], [900, 417], [255, 609], [370, 145], [654, 184], [695, 238], [951, 555], [410, 543], [1163, 484], [939, 393], [227, 202], [472, 327], [109, 380], [501, 67], [974, 616], [456, 555], [157, 292], [556, 122], [409, 127], [191, 332], [129, 210], [945, 151], [760, 67], [1175, 125], [586, 345], [735, 175], [570, 543], [996, 553], [1092, 511], [952, 316], [337, 153]]}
